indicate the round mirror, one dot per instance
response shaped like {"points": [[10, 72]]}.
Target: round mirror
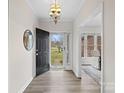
{"points": [[28, 40]]}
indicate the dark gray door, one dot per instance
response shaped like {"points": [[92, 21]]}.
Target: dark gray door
{"points": [[42, 51]]}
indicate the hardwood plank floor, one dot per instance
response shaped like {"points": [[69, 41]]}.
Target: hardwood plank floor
{"points": [[62, 82]]}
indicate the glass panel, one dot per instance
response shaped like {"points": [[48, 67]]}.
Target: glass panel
{"points": [[68, 48], [57, 50], [90, 45], [82, 47], [99, 43]]}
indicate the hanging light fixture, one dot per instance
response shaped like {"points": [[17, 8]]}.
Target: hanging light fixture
{"points": [[55, 11]]}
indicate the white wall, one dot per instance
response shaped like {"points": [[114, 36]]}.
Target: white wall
{"points": [[86, 11], [20, 60], [76, 47], [59, 27], [91, 29], [109, 46]]}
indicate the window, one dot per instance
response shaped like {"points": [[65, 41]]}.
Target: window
{"points": [[90, 45], [99, 43], [82, 46]]}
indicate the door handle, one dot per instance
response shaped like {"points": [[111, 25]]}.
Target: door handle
{"points": [[36, 54], [36, 50]]}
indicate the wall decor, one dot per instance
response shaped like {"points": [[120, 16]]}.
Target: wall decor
{"points": [[28, 40]]}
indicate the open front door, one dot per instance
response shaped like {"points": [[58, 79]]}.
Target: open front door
{"points": [[42, 51]]}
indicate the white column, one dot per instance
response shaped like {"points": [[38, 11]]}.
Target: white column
{"points": [[85, 45], [95, 41]]}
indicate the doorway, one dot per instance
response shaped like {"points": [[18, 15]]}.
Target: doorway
{"points": [[57, 51]]}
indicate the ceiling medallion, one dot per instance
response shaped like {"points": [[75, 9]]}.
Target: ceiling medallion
{"points": [[55, 11]]}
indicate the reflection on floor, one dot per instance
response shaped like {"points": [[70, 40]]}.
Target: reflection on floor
{"points": [[62, 82], [56, 68]]}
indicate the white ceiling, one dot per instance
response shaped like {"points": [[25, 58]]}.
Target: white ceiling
{"points": [[70, 8]]}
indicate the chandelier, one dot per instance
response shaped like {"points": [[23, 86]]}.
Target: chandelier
{"points": [[55, 11]]}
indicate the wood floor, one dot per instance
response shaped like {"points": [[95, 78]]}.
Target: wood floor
{"points": [[62, 82]]}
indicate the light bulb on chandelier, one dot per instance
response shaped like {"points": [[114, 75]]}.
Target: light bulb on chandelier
{"points": [[55, 12]]}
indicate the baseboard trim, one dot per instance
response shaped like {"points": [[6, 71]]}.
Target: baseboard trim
{"points": [[76, 74], [25, 86], [109, 87]]}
